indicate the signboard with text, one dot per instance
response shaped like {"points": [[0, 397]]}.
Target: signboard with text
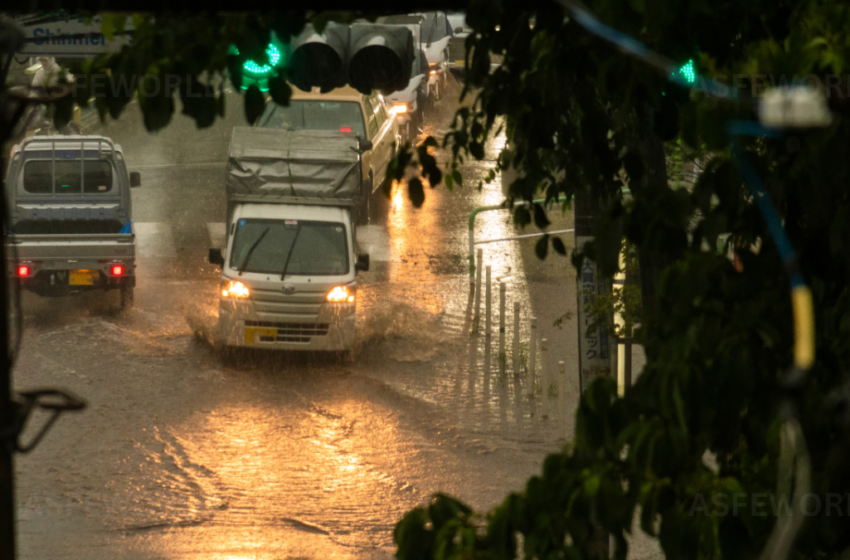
{"points": [[595, 349], [71, 39]]}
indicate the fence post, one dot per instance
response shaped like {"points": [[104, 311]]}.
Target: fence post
{"points": [[544, 374], [516, 338], [488, 304], [478, 289], [562, 400], [532, 357], [503, 358]]}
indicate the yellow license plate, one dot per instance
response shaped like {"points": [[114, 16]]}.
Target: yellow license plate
{"points": [[460, 62], [82, 277], [253, 335]]}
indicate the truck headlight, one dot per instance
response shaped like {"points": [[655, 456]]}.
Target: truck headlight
{"points": [[229, 288], [399, 108], [341, 294]]}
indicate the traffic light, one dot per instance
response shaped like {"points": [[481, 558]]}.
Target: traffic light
{"points": [[687, 72], [255, 73], [365, 56]]}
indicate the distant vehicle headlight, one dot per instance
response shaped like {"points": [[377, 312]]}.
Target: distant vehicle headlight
{"points": [[341, 294], [400, 108], [229, 288]]}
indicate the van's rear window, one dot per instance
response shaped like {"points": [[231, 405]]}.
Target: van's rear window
{"points": [[342, 116], [96, 177]]}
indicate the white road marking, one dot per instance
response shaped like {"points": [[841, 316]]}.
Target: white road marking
{"points": [[218, 234], [153, 239], [375, 241]]}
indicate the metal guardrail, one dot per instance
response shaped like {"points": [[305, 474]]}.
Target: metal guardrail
{"points": [[478, 210]]}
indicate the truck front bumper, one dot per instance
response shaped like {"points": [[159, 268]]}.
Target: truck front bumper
{"points": [[330, 332]]}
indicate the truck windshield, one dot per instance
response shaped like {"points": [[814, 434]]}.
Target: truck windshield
{"points": [[72, 177], [343, 116], [320, 250]]}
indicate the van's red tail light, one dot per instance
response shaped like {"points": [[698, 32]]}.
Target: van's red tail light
{"points": [[117, 270], [345, 130], [23, 271]]}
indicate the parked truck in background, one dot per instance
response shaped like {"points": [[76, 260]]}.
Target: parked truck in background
{"points": [[288, 271], [70, 217]]}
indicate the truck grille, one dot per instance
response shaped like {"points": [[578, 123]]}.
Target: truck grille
{"points": [[293, 332]]}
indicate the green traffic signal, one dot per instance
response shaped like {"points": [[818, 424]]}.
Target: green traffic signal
{"points": [[259, 73], [688, 72]]}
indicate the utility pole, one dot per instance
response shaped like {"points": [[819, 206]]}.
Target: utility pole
{"points": [[595, 351], [13, 38]]}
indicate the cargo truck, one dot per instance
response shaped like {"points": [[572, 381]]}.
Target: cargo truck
{"points": [[289, 268]]}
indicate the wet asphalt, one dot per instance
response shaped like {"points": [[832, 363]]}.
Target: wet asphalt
{"points": [[184, 453]]}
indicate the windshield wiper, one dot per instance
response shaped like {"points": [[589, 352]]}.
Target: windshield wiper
{"points": [[251, 251], [291, 248]]}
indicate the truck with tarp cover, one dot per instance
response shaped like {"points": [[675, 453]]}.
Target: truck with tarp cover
{"points": [[288, 278], [70, 212]]}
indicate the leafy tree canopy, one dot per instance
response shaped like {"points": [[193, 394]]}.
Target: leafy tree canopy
{"points": [[576, 111]]}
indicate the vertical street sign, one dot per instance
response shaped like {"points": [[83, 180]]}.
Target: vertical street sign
{"points": [[594, 350], [71, 39]]}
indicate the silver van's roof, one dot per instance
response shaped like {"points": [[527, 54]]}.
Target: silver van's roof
{"points": [[41, 143]]}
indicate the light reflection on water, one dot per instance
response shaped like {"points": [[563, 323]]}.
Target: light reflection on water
{"points": [[281, 458]]}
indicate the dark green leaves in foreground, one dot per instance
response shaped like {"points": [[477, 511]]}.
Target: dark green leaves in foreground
{"points": [[255, 103]]}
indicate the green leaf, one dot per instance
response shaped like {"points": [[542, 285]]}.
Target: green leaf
{"points": [[63, 112], [458, 179], [416, 192], [540, 218], [522, 217], [279, 90], [542, 247], [107, 27], [558, 245], [591, 486], [255, 104], [449, 183], [234, 71]]}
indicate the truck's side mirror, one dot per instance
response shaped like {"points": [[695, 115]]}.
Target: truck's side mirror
{"points": [[365, 145], [135, 179], [362, 263], [216, 257]]}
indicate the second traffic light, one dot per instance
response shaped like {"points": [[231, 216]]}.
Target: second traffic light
{"points": [[365, 56]]}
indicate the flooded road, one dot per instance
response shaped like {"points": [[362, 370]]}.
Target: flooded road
{"points": [[184, 453]]}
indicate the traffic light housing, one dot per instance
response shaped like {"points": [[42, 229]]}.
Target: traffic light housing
{"points": [[365, 56], [319, 60]]}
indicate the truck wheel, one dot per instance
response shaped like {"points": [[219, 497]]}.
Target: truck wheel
{"points": [[126, 297]]}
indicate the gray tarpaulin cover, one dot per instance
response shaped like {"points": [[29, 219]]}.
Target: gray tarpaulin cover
{"points": [[278, 163]]}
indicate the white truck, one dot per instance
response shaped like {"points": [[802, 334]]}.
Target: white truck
{"points": [[70, 216], [288, 279]]}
